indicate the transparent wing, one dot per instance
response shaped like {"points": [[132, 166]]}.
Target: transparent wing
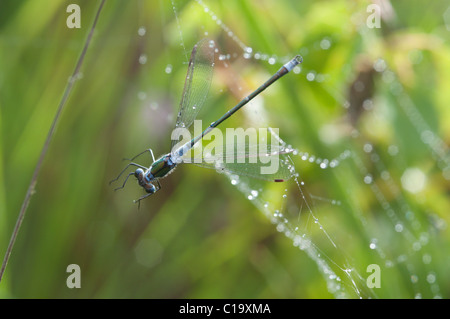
{"points": [[197, 84], [261, 161]]}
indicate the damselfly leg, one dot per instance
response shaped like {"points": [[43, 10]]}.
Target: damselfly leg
{"points": [[136, 156], [138, 201], [123, 171]]}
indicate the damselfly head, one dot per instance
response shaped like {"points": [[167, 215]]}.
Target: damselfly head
{"points": [[139, 174]]}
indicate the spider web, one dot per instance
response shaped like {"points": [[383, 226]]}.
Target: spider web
{"points": [[393, 230]]}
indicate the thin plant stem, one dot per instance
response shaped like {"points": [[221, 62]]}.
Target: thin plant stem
{"points": [[62, 103]]}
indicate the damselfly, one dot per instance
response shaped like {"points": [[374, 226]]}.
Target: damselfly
{"points": [[196, 87]]}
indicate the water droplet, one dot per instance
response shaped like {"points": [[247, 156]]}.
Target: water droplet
{"points": [[398, 228], [431, 278], [413, 180], [325, 44], [368, 179], [311, 76], [426, 259], [168, 69], [416, 246], [368, 104], [346, 104], [385, 175], [143, 58], [380, 65], [393, 150], [142, 31], [367, 147], [373, 243]]}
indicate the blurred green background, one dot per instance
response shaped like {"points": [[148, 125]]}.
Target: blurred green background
{"points": [[382, 94]]}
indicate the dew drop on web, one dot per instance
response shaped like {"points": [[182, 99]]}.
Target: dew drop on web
{"points": [[142, 31]]}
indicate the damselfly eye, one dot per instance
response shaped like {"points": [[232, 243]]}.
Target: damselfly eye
{"points": [[139, 172]]}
